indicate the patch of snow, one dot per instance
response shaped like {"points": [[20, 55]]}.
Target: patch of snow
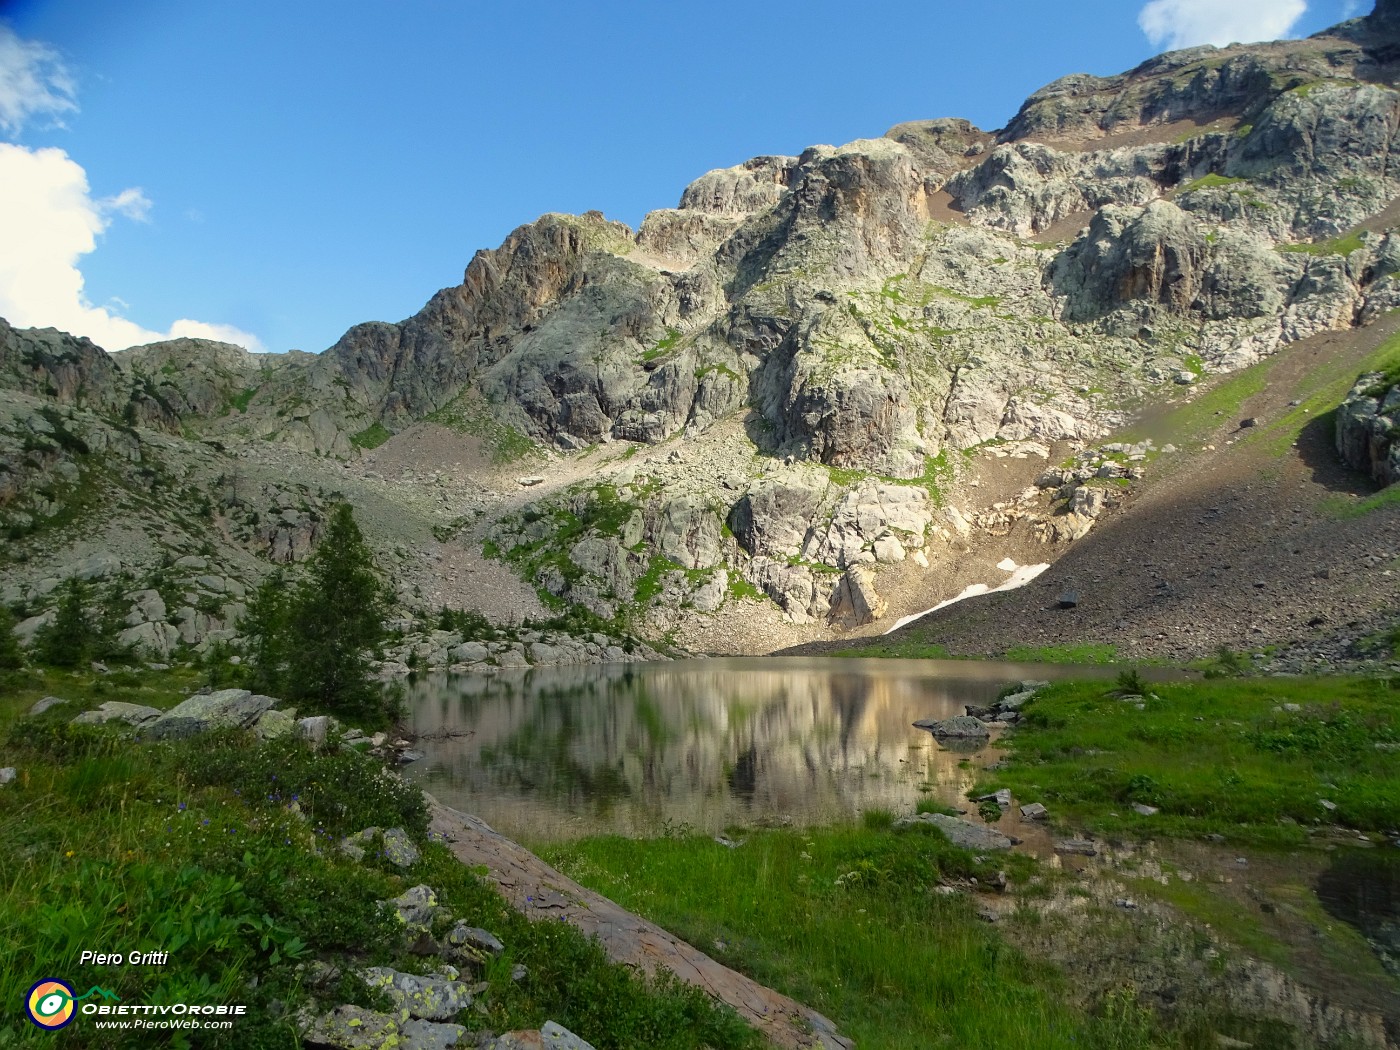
{"points": [[1020, 576]]}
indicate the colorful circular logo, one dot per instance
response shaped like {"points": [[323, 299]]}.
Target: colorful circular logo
{"points": [[50, 1004]]}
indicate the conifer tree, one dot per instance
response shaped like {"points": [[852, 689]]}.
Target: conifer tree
{"points": [[335, 620], [68, 640], [11, 655], [266, 625]]}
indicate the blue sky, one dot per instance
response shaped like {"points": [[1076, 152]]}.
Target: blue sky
{"points": [[276, 172]]}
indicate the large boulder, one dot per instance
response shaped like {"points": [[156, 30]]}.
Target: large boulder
{"points": [[224, 709], [856, 602]]}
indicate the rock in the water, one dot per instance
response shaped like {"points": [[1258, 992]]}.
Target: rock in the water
{"points": [[426, 998], [962, 833], [116, 711], [959, 726], [1002, 797], [225, 709], [354, 1028], [40, 706]]}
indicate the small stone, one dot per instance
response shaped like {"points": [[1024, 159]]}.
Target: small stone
{"points": [[1124, 902], [1034, 811], [1078, 847], [464, 936], [7, 775], [416, 906], [1144, 810], [1002, 797], [40, 706], [1329, 806], [519, 972]]}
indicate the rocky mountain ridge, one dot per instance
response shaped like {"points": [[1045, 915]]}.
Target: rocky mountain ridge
{"points": [[788, 385]]}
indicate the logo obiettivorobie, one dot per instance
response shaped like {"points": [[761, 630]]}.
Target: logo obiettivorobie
{"points": [[49, 1003]]}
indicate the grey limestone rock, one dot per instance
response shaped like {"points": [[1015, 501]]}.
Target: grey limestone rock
{"points": [[416, 906], [398, 848], [958, 726], [224, 709], [116, 711], [464, 935], [274, 724], [1368, 421], [355, 1028], [962, 833], [40, 706], [855, 601], [425, 998]]}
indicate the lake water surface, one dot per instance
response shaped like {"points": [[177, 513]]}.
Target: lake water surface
{"points": [[635, 749]]}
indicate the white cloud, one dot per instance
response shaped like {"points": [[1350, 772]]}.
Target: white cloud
{"points": [[48, 222], [33, 82], [1186, 23], [133, 203]]}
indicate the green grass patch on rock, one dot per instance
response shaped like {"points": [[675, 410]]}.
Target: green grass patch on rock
{"points": [[371, 437]]}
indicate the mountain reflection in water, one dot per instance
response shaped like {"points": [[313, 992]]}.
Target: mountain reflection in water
{"points": [[636, 749]]}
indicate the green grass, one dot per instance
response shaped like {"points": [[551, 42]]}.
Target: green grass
{"points": [[242, 399], [1211, 181], [1337, 246], [195, 848], [898, 650], [469, 413], [1319, 392], [1085, 653], [1215, 757], [371, 437], [1195, 420], [844, 919], [663, 346]]}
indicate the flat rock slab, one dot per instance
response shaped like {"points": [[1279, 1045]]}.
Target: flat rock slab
{"points": [[962, 833], [524, 879], [354, 1028], [116, 711], [1077, 847], [225, 709]]}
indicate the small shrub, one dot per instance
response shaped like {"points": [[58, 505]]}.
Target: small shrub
{"points": [[877, 819]]}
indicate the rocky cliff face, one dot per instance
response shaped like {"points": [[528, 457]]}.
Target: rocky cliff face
{"points": [[863, 312]]}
